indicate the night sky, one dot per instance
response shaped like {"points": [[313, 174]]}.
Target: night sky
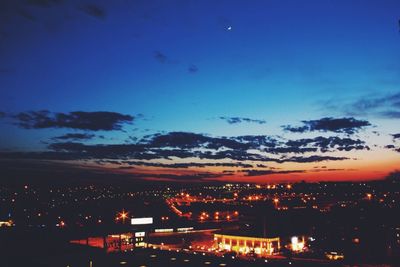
{"points": [[251, 91]]}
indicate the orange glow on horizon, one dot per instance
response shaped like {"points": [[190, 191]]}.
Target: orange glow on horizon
{"points": [[370, 166]]}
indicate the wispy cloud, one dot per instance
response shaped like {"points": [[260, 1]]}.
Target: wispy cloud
{"points": [[235, 120], [378, 105], [95, 11], [74, 136], [270, 172]]}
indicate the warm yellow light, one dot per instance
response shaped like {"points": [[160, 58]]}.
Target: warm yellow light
{"points": [[297, 245], [123, 215]]}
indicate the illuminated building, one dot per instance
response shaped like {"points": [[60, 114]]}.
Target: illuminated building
{"points": [[334, 255], [246, 244], [6, 223], [297, 244], [115, 242]]}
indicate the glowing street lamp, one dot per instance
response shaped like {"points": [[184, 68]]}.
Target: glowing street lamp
{"points": [[123, 215]]}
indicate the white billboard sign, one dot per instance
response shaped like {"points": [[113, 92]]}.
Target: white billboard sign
{"points": [[141, 221]]}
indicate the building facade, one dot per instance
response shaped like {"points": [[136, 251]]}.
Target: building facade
{"points": [[246, 244]]}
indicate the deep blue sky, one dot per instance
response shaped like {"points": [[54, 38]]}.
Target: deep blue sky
{"points": [[181, 65]]}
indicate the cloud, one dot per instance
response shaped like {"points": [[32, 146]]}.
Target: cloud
{"points": [[164, 59], [390, 146], [160, 57], [2, 114], [269, 172], [94, 11], [197, 177], [95, 121], [180, 165], [387, 106], [391, 114], [393, 147], [235, 120], [396, 136], [315, 158], [320, 143], [193, 69], [337, 125], [155, 149], [74, 136], [186, 145], [394, 176], [367, 103], [329, 170]]}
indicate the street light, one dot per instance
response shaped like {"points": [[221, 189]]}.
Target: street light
{"points": [[123, 215]]}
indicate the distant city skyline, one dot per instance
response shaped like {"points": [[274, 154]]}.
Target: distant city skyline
{"points": [[200, 91]]}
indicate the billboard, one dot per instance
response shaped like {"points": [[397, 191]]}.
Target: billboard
{"points": [[141, 221]]}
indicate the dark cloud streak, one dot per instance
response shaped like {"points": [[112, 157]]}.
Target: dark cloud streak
{"points": [[160, 57], [337, 125], [74, 136], [235, 120], [386, 106], [193, 69], [95, 121]]}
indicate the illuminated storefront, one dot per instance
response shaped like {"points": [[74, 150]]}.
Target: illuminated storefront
{"points": [[245, 244], [115, 242]]}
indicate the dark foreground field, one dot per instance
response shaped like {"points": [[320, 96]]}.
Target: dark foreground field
{"points": [[42, 251]]}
